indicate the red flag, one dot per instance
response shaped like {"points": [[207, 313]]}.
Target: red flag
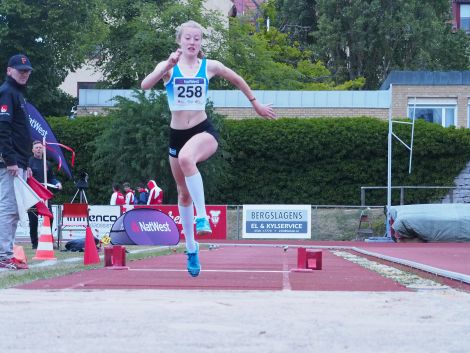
{"points": [[26, 197], [43, 210], [39, 189]]}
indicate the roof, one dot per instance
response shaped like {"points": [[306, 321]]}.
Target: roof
{"points": [[236, 99], [246, 5], [426, 78]]}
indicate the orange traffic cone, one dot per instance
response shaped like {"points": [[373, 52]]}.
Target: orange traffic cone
{"points": [[19, 257], [45, 249], [91, 252]]}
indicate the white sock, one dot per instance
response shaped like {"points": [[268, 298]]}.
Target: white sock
{"points": [[196, 190], [187, 221]]}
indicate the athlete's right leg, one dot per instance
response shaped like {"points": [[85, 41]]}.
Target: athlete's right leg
{"points": [[186, 210], [185, 205]]}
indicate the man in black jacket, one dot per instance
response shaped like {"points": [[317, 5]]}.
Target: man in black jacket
{"points": [[36, 164], [15, 142]]}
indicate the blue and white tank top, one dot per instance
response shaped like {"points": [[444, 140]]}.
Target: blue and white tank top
{"points": [[188, 93]]}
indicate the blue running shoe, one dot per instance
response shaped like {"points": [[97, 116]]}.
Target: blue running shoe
{"points": [[194, 267], [202, 226]]}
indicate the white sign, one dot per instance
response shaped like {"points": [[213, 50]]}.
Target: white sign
{"points": [[22, 231], [101, 219], [277, 221]]}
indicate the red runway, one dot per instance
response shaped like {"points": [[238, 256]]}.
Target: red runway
{"points": [[265, 267], [448, 256]]}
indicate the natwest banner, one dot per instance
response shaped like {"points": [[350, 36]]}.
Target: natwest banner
{"points": [[217, 217]]}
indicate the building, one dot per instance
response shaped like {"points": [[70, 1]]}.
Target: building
{"points": [[247, 7], [438, 97], [461, 15], [85, 77]]}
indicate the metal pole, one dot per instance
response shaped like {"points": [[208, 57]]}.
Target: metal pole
{"points": [[389, 164], [238, 224], [44, 165], [412, 135]]}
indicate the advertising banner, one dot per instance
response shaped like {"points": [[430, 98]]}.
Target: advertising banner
{"points": [[145, 226], [217, 218], [101, 218], [39, 128], [277, 221]]}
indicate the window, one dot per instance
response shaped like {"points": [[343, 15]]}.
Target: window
{"points": [[86, 85], [442, 112], [465, 18]]}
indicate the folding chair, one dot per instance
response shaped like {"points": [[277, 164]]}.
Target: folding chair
{"points": [[73, 215]]}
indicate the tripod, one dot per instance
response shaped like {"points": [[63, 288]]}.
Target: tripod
{"points": [[81, 193]]}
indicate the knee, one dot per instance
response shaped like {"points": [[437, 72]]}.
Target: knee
{"points": [[186, 163]]}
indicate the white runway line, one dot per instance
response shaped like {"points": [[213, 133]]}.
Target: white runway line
{"points": [[285, 276], [215, 270]]}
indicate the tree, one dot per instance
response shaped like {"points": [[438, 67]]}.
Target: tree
{"points": [[270, 60], [297, 18], [142, 33], [57, 35], [370, 38]]}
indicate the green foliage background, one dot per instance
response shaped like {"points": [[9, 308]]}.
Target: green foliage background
{"points": [[321, 161], [57, 36]]}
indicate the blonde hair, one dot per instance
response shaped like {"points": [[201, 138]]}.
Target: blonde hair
{"points": [[188, 24]]}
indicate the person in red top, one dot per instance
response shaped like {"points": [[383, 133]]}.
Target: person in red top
{"points": [[117, 198], [129, 194], [155, 193]]}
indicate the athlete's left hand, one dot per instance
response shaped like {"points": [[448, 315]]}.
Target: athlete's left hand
{"points": [[264, 110]]}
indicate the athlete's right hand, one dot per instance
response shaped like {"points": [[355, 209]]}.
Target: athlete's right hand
{"points": [[174, 58]]}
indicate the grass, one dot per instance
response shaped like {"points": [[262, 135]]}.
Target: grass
{"points": [[70, 262]]}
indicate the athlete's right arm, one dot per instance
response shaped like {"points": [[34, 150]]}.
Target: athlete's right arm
{"points": [[161, 71]]}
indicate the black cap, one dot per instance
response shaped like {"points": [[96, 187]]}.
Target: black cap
{"points": [[20, 62]]}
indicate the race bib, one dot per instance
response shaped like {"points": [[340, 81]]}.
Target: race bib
{"points": [[190, 92]]}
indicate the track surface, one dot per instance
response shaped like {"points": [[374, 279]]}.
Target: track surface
{"points": [[265, 266]]}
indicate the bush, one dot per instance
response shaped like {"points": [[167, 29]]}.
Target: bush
{"points": [[311, 161]]}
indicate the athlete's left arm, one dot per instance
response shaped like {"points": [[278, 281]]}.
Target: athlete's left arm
{"points": [[216, 68]]}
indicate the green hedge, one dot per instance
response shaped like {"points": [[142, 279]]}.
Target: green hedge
{"points": [[313, 161], [327, 160]]}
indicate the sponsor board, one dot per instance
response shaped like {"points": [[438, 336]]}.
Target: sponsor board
{"points": [[217, 218], [277, 221], [145, 226], [101, 218]]}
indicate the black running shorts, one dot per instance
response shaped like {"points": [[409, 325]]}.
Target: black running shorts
{"points": [[179, 137]]}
